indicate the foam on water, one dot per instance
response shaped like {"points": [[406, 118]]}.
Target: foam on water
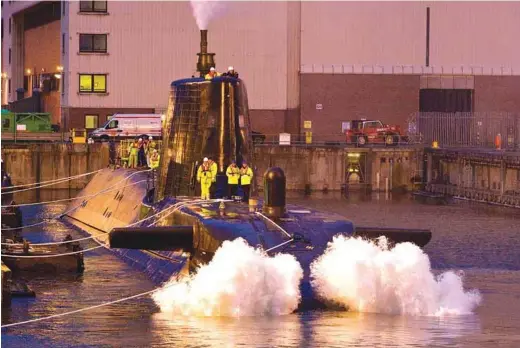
{"points": [[367, 276], [239, 281], [204, 11]]}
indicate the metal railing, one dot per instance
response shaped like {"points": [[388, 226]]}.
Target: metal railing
{"points": [[483, 130], [407, 69], [322, 140]]}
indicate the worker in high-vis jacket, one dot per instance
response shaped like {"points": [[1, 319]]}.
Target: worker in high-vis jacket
{"points": [[233, 174], [133, 149], [246, 176], [214, 170], [212, 73], [205, 179], [154, 159]]}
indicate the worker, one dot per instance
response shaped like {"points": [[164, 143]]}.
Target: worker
{"points": [[233, 174], [204, 178], [123, 154], [141, 159], [246, 175], [154, 159], [214, 170], [231, 72], [150, 146], [133, 149], [212, 73]]}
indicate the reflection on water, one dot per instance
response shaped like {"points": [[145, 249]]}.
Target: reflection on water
{"points": [[314, 329], [482, 240]]}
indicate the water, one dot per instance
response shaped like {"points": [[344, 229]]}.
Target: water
{"points": [[482, 241]]}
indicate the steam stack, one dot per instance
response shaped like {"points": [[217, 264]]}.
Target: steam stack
{"points": [[206, 60]]}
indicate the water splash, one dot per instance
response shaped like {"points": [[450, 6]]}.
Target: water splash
{"points": [[204, 11], [239, 281], [367, 276]]}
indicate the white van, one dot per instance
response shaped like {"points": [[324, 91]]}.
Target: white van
{"points": [[130, 126]]}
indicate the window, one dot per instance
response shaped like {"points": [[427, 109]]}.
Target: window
{"points": [[93, 83], [91, 121], [62, 84], [9, 25], [112, 124], [9, 56], [63, 43], [6, 123], [63, 3], [93, 43], [2, 26], [93, 6], [26, 82], [9, 85]]}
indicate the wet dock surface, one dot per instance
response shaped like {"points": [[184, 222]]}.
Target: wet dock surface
{"points": [[481, 240]]}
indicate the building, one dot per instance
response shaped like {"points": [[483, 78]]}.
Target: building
{"points": [[323, 62]]}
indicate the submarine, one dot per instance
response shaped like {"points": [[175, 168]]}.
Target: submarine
{"points": [[157, 223]]}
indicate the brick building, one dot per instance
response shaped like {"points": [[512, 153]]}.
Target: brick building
{"points": [[324, 62]]}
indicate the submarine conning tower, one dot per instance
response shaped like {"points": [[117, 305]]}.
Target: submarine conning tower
{"points": [[204, 118]]}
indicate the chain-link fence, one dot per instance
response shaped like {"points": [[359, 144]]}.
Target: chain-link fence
{"points": [[466, 129]]}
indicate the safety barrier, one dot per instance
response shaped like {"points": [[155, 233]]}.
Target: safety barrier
{"points": [[487, 130], [337, 140], [479, 195], [406, 69]]}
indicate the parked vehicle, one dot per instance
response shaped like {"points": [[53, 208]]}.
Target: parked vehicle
{"points": [[129, 126], [29, 126], [362, 132]]}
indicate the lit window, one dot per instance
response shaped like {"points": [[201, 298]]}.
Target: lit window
{"points": [[91, 121], [92, 6], [92, 83]]}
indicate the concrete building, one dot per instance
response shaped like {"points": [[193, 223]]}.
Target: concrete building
{"points": [[323, 62]]}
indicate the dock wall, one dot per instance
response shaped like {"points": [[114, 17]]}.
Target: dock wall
{"points": [[314, 168], [32, 163]]}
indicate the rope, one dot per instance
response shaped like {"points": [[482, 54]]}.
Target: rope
{"points": [[71, 210], [91, 307], [274, 223], [178, 204], [53, 255], [279, 245], [64, 199], [51, 182], [58, 243]]}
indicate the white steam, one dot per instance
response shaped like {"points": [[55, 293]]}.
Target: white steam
{"points": [[366, 276], [204, 11], [239, 281]]}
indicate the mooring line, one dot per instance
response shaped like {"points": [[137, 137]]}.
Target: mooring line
{"points": [[67, 199], [71, 210], [49, 182], [53, 255], [274, 223], [89, 308]]}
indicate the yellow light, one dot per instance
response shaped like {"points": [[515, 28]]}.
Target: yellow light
{"points": [[28, 71], [4, 75], [58, 76], [353, 154], [435, 144], [60, 68]]}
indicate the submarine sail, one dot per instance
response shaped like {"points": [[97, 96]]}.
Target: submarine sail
{"points": [[205, 118]]}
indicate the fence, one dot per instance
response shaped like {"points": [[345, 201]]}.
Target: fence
{"points": [[466, 129]]}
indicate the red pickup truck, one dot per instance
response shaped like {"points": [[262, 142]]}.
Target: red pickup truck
{"points": [[362, 132]]}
